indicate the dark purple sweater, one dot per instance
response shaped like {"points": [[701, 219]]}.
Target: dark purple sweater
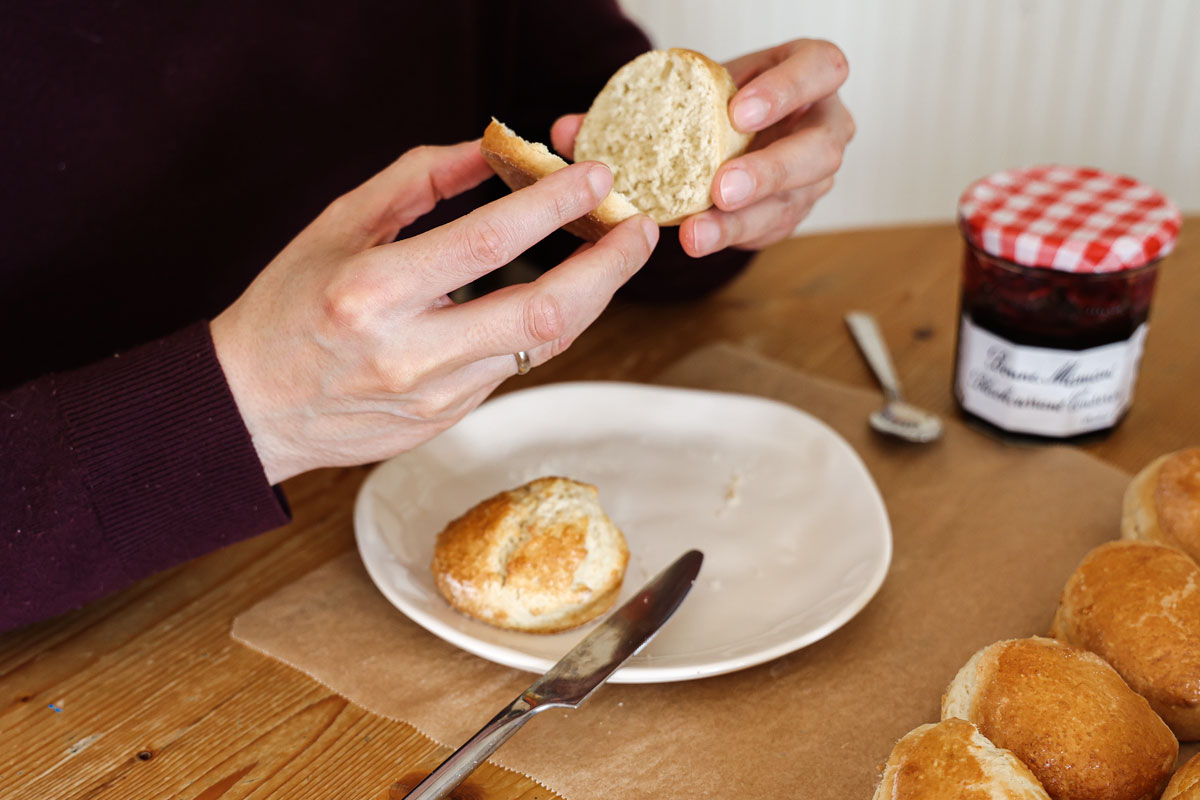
{"points": [[153, 158]]}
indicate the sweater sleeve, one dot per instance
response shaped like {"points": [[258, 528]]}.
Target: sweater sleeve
{"points": [[553, 59], [120, 469]]}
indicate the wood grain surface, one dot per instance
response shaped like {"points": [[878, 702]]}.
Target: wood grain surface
{"points": [[145, 695]]}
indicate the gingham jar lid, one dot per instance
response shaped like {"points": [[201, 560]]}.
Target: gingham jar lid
{"points": [[1073, 219]]}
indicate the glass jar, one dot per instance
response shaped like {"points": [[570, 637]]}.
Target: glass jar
{"points": [[1057, 279]]}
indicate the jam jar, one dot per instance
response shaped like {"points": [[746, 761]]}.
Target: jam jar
{"points": [[1057, 278]]}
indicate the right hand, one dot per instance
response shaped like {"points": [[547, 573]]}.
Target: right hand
{"points": [[346, 349]]}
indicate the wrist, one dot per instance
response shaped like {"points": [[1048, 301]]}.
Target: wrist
{"points": [[249, 397]]}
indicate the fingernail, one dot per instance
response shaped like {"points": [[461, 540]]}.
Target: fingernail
{"points": [[736, 186], [650, 231], [750, 113], [705, 234], [600, 179]]}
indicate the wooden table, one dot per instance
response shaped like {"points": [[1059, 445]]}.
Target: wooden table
{"points": [[144, 694]]}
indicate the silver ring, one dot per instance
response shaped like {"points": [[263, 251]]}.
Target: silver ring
{"points": [[523, 362]]}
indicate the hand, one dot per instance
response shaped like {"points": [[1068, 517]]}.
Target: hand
{"points": [[788, 96], [346, 348]]}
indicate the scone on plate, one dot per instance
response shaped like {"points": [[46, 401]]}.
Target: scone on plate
{"points": [[1068, 715], [952, 759], [541, 558], [1162, 503], [1137, 606]]}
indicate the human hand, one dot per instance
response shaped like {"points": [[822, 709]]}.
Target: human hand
{"points": [[788, 96], [346, 349]]}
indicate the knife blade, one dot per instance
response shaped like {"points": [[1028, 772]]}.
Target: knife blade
{"points": [[577, 675]]}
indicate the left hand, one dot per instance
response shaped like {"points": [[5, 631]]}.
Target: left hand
{"points": [[788, 96]]}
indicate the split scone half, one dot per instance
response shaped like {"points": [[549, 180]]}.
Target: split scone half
{"points": [[662, 126], [540, 558]]}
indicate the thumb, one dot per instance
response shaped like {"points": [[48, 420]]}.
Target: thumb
{"points": [[410, 187], [563, 133]]}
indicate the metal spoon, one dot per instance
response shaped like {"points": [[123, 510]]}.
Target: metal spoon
{"points": [[897, 417]]}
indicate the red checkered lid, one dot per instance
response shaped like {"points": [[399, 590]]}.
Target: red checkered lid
{"points": [[1073, 219]]}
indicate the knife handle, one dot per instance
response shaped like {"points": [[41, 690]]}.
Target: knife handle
{"points": [[463, 761]]}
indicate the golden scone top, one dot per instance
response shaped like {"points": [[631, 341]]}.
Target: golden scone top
{"points": [[1068, 715], [1177, 496], [1137, 605], [951, 759], [542, 557]]}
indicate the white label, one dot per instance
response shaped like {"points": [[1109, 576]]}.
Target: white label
{"points": [[1040, 390]]}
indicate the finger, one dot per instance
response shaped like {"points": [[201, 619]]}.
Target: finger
{"points": [[813, 69], [411, 186], [491, 236], [563, 133], [744, 68], [445, 399], [763, 223], [806, 156], [553, 309]]}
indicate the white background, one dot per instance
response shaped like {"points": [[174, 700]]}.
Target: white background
{"points": [[945, 91]]}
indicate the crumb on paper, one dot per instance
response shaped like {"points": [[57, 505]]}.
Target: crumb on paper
{"points": [[733, 496]]}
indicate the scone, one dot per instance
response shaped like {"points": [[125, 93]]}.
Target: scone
{"points": [[952, 759], [541, 558], [1137, 606], [1185, 784], [520, 163], [1162, 503], [1068, 715], [661, 123]]}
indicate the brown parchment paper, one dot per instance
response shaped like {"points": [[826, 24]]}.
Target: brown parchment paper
{"points": [[985, 536]]}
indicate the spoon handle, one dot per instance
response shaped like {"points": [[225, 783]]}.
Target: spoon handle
{"points": [[866, 332]]}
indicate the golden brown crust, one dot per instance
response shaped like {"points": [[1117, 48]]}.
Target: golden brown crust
{"points": [[1137, 606], [1185, 784], [1070, 717], [1162, 503], [541, 558], [1177, 499], [952, 760], [520, 163]]}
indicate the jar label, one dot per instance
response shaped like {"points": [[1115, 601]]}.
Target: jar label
{"points": [[1039, 390]]}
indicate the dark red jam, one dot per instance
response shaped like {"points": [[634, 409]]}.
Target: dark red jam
{"points": [[1047, 308]]}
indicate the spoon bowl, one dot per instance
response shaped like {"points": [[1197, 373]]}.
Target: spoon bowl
{"points": [[905, 420]]}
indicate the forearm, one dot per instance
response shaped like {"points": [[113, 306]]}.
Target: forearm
{"points": [[121, 469]]}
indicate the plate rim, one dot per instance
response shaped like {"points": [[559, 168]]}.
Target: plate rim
{"points": [[633, 673]]}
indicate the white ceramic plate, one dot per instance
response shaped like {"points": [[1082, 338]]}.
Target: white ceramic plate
{"points": [[795, 536]]}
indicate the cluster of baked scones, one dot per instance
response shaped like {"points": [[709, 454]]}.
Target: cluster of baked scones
{"points": [[1097, 710]]}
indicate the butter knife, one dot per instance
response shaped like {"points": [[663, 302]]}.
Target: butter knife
{"points": [[580, 672]]}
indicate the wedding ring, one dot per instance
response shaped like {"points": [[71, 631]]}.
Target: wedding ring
{"points": [[523, 363]]}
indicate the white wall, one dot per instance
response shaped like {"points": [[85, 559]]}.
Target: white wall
{"points": [[944, 91]]}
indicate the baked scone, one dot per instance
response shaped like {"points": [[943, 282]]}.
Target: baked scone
{"points": [[661, 123], [1137, 606], [1185, 783], [541, 558], [952, 760], [520, 163], [1162, 503], [1068, 715]]}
